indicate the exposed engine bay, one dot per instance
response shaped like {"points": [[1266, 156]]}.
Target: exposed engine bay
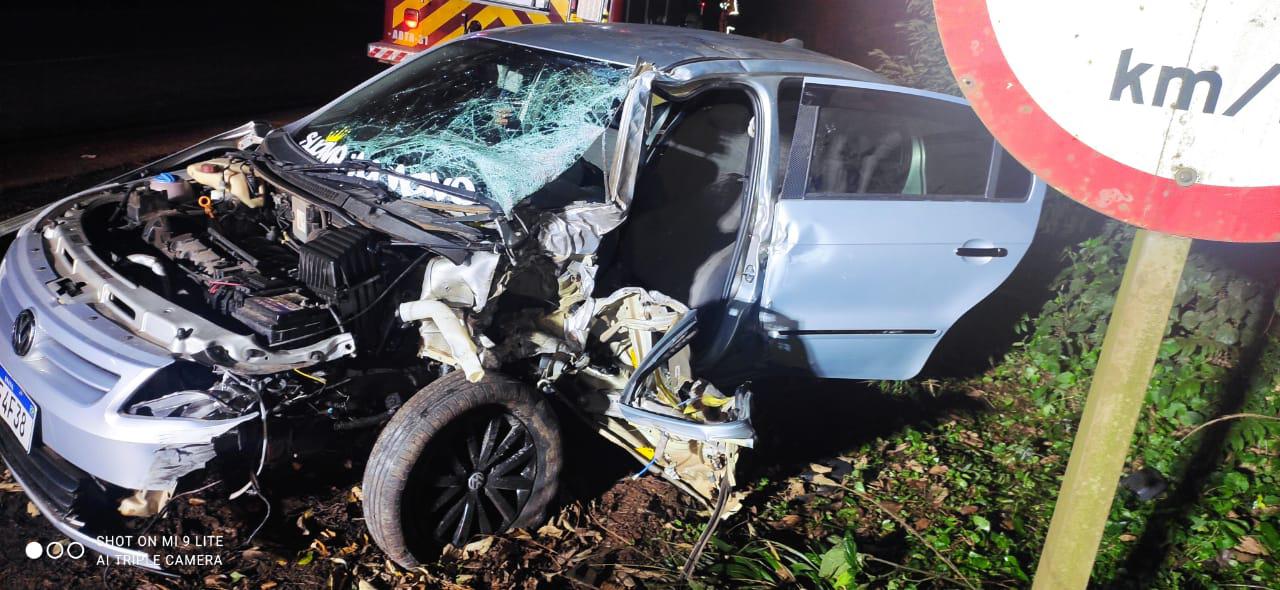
{"points": [[295, 321], [265, 265]]}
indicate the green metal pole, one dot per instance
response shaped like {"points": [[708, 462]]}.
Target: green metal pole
{"points": [[1119, 387]]}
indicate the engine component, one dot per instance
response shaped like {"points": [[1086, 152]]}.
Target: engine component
{"points": [[220, 174], [282, 318], [176, 188], [341, 266], [143, 203], [307, 220], [190, 248]]}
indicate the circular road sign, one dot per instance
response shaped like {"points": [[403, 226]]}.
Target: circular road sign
{"points": [[1163, 114]]}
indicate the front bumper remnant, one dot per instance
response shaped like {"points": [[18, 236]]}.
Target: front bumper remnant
{"points": [[59, 490]]}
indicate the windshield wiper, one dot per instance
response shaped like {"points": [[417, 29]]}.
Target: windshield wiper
{"points": [[406, 208], [436, 232]]}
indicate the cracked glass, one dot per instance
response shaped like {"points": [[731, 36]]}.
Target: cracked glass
{"points": [[479, 116]]}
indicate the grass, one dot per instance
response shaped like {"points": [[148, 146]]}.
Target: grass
{"points": [[966, 501]]}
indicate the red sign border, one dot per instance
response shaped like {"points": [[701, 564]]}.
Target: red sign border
{"points": [[1080, 172]]}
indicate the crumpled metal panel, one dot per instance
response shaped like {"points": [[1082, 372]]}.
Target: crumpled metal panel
{"points": [[578, 231]]}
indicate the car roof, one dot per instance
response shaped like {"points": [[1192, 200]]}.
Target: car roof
{"points": [[664, 46]]}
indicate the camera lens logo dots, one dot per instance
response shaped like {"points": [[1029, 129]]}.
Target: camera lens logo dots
{"points": [[54, 550]]}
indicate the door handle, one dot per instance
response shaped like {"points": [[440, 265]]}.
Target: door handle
{"points": [[982, 252]]}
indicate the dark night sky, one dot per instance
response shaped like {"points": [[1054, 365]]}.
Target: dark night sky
{"points": [[78, 68]]}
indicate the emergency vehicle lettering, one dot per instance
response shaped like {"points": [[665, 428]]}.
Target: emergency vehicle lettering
{"points": [[431, 22]]}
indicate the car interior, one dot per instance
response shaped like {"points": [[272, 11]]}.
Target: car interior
{"points": [[688, 205]]}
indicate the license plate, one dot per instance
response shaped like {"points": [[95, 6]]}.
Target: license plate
{"points": [[17, 410]]}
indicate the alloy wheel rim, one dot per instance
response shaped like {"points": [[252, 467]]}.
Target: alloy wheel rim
{"points": [[481, 478]]}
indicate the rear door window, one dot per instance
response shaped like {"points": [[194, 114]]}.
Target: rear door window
{"points": [[866, 142]]}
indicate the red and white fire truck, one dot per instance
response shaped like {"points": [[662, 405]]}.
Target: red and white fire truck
{"points": [[412, 26]]}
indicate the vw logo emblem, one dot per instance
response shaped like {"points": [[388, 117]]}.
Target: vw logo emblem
{"points": [[24, 332]]}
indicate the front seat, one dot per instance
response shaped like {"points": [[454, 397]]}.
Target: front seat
{"points": [[687, 208]]}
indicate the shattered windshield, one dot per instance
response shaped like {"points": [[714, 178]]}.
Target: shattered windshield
{"points": [[479, 116]]}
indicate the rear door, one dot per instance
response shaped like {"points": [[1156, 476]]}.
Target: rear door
{"points": [[898, 213]]}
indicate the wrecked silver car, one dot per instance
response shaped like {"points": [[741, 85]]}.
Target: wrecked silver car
{"points": [[629, 222]]}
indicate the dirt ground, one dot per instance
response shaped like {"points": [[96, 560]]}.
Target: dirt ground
{"points": [[318, 540]]}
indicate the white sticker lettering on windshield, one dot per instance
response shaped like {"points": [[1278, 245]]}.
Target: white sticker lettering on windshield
{"points": [[330, 150]]}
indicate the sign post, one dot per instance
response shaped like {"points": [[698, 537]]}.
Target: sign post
{"points": [[1119, 387], [1159, 114]]}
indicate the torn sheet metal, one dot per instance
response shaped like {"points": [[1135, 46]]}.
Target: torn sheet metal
{"points": [[606, 315], [578, 230], [170, 463]]}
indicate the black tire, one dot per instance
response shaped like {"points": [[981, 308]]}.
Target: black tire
{"points": [[421, 476]]}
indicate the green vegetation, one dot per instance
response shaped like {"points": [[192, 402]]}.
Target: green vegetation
{"points": [[967, 502], [924, 65]]}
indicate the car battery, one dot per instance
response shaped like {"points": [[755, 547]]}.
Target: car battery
{"points": [[283, 318]]}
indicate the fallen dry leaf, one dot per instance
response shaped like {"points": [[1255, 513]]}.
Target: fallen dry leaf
{"points": [[939, 470], [1127, 538], [301, 522], [921, 524], [789, 521], [971, 438], [477, 547], [822, 480], [970, 509], [32, 510], [1251, 546], [268, 585], [937, 494], [1243, 557], [819, 468]]}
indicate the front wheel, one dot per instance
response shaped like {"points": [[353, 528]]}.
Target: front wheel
{"points": [[458, 460]]}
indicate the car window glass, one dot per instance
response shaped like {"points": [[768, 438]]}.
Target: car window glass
{"points": [[1013, 180], [788, 110], [874, 142]]}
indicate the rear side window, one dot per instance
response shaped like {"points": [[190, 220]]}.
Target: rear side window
{"points": [[874, 143]]}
